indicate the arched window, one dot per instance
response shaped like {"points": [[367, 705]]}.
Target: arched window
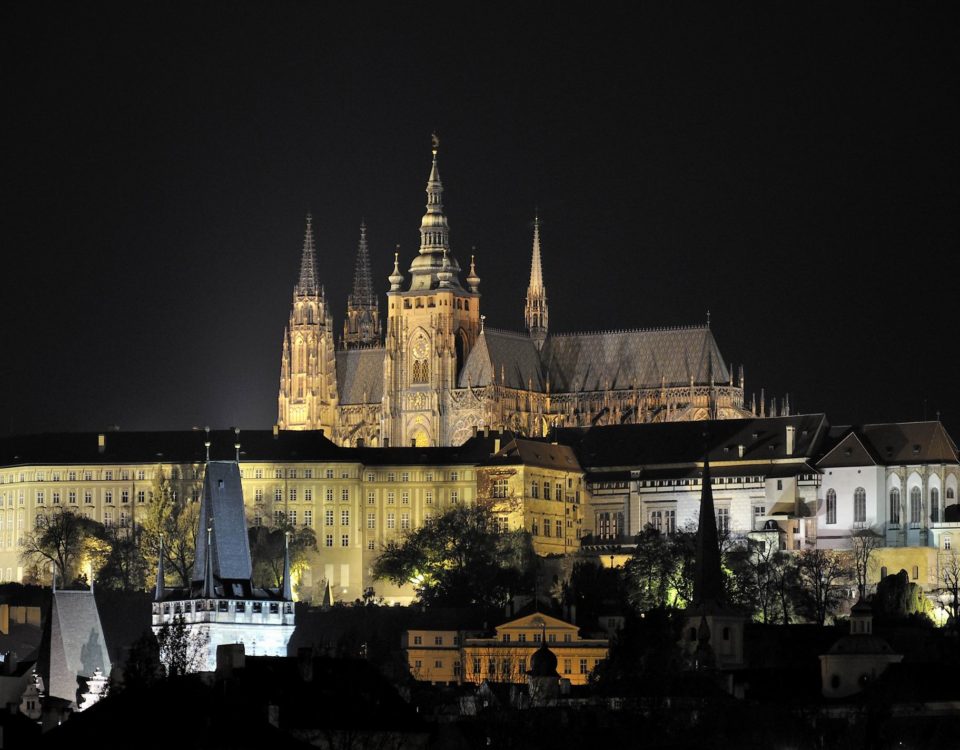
{"points": [[947, 542], [831, 506], [935, 505], [859, 505], [420, 372], [950, 493], [916, 506], [895, 505]]}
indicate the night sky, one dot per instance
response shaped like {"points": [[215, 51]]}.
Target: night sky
{"points": [[792, 169]]}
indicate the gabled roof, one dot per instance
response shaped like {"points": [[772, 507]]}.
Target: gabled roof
{"points": [[537, 453], [891, 443], [851, 450], [512, 355], [360, 376], [536, 620], [632, 359]]}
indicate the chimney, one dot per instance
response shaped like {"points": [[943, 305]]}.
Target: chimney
{"points": [[791, 433], [413, 442], [101, 443], [740, 450], [386, 442], [359, 442], [496, 445], [276, 431]]}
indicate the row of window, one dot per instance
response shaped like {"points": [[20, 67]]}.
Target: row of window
{"points": [[140, 475], [916, 505], [535, 490], [506, 666]]}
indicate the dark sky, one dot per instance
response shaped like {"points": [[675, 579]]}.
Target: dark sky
{"points": [[793, 169]]}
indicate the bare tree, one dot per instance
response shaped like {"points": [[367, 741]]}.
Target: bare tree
{"points": [[173, 513], [821, 574], [182, 649], [60, 539], [863, 543], [949, 588]]}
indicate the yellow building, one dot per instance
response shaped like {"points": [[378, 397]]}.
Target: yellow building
{"points": [[535, 486], [451, 656], [355, 500]]}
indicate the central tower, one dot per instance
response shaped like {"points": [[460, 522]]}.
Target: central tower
{"points": [[431, 327]]}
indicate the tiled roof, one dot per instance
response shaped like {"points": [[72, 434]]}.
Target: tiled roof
{"points": [[222, 509], [503, 352], [360, 376], [538, 453], [892, 443], [77, 645], [632, 359]]}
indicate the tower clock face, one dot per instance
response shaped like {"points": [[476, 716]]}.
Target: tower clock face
{"points": [[420, 348]]}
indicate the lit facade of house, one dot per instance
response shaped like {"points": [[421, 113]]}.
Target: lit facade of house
{"points": [[452, 656]]}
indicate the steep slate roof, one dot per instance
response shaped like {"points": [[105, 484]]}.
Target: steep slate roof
{"points": [[676, 443], [76, 643], [575, 362], [632, 359], [222, 508], [360, 376], [892, 443], [507, 352]]}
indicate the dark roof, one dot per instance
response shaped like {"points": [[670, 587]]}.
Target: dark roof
{"points": [[222, 510], [892, 443], [512, 355], [671, 443], [632, 359], [74, 643], [360, 375], [536, 453]]}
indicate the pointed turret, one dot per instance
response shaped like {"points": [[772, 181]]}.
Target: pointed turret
{"points": [[535, 311], [362, 325], [396, 277], [209, 587], [434, 235], [307, 285], [708, 575], [473, 281]]}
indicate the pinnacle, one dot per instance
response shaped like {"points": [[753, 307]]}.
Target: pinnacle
{"points": [[308, 261]]}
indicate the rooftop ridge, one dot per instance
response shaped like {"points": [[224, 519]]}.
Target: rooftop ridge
{"points": [[518, 334], [656, 329]]}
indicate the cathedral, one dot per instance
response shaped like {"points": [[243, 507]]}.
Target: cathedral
{"points": [[438, 373]]}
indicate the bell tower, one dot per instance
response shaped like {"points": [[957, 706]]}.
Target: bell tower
{"points": [[431, 327], [308, 376]]}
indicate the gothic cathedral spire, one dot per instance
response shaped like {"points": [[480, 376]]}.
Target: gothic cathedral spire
{"points": [[308, 386], [535, 311], [362, 325]]}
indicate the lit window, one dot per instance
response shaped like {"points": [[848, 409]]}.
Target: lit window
{"points": [[328, 540], [344, 517], [371, 520], [859, 505], [391, 520], [895, 505], [831, 506], [308, 518], [404, 520], [344, 540]]}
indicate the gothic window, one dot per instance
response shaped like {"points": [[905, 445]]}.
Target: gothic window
{"points": [[916, 506], [935, 505], [895, 505], [420, 372], [950, 494], [831, 506], [859, 505]]}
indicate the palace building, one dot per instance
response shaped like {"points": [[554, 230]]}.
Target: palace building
{"points": [[439, 373]]}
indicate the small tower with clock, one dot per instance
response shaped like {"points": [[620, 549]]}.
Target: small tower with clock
{"points": [[432, 325]]}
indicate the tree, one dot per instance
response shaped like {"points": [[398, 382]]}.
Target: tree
{"points": [[863, 542], [181, 649], [752, 565], [949, 589], [821, 573], [899, 598], [650, 571], [785, 580], [118, 558], [459, 559], [268, 547], [61, 539], [142, 667], [174, 513]]}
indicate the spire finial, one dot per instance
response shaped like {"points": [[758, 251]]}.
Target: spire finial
{"points": [[708, 318], [435, 143], [307, 285], [396, 278], [535, 310]]}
